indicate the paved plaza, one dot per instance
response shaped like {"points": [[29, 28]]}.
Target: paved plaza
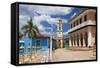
{"points": [[61, 54], [71, 55]]}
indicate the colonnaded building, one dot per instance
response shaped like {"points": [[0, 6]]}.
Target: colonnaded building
{"points": [[83, 29]]}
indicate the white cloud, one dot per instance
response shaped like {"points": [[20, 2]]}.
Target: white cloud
{"points": [[73, 15], [65, 33], [41, 13], [41, 27], [49, 10], [22, 21], [49, 19], [45, 10], [37, 21]]}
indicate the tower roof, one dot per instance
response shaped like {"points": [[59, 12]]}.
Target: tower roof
{"points": [[59, 20]]}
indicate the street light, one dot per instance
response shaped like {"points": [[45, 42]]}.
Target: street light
{"points": [[51, 42]]}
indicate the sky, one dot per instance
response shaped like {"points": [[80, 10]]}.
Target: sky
{"points": [[45, 16]]}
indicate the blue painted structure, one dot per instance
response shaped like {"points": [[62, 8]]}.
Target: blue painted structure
{"points": [[43, 41]]}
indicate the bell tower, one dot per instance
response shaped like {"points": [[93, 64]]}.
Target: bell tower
{"points": [[59, 34]]}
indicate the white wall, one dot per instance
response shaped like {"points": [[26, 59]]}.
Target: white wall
{"points": [[5, 34]]}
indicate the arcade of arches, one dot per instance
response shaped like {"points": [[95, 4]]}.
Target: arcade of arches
{"points": [[85, 37]]}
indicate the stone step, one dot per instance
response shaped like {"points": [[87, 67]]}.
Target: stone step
{"points": [[80, 48]]}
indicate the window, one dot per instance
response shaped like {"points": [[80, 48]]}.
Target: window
{"points": [[77, 22], [80, 20], [59, 27], [74, 24], [71, 25], [37, 43], [85, 18]]}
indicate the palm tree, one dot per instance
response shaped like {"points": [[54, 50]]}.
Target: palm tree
{"points": [[20, 35], [31, 30]]}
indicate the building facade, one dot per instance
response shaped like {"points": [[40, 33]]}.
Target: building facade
{"points": [[41, 42], [83, 29], [59, 34]]}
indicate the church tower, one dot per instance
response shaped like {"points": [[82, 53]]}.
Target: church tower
{"points": [[59, 34]]}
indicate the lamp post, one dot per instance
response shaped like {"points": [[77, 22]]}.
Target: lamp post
{"points": [[51, 43]]}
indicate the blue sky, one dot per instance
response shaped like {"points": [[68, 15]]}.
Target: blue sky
{"points": [[44, 16]]}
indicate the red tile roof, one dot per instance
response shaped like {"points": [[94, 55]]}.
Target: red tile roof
{"points": [[41, 36]]}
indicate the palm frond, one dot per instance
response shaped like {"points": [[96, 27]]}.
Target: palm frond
{"points": [[30, 29], [26, 32], [25, 27], [36, 29]]}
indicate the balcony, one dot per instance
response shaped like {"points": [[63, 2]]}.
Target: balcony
{"points": [[89, 22]]}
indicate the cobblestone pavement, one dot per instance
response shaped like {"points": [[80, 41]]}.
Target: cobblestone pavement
{"points": [[58, 55], [69, 55]]}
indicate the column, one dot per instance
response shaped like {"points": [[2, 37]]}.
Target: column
{"points": [[73, 41], [70, 43], [61, 43], [79, 41], [84, 40], [89, 37], [76, 40], [57, 43], [94, 38]]}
